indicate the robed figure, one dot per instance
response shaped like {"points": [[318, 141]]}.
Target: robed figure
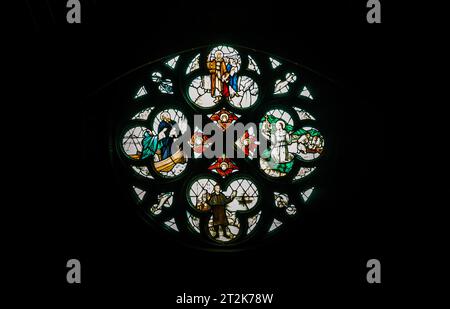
{"points": [[232, 70], [219, 76], [159, 146], [280, 140], [218, 202], [166, 135]]}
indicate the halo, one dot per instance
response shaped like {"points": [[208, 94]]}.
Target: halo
{"points": [[224, 115], [282, 122]]}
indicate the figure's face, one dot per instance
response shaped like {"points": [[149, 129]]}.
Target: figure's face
{"points": [[217, 189], [218, 55], [224, 166], [224, 118], [279, 126], [165, 117], [198, 141]]}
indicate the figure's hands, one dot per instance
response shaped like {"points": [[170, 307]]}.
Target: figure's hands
{"points": [[173, 133], [161, 134]]}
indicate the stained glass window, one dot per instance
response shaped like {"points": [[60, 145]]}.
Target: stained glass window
{"points": [[303, 172], [171, 224], [139, 193], [194, 64], [143, 171], [164, 85], [143, 114], [224, 66], [219, 146], [305, 93], [275, 224], [275, 63], [252, 65], [172, 62], [303, 115], [306, 194], [282, 201], [282, 85], [142, 91], [164, 200]]}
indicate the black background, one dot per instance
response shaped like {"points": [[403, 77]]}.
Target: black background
{"points": [[76, 210]]}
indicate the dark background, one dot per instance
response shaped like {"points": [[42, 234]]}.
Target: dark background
{"points": [[76, 209]]}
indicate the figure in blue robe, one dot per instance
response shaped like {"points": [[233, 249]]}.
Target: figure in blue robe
{"points": [[161, 143], [167, 141], [233, 81]]}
